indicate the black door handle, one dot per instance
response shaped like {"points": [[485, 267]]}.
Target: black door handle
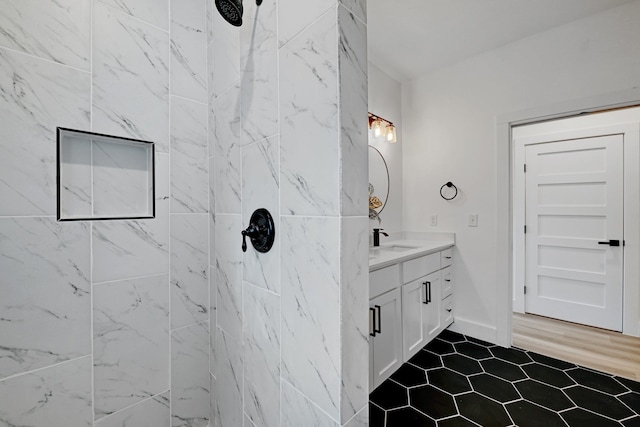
{"points": [[373, 334], [427, 298], [610, 243], [379, 330]]}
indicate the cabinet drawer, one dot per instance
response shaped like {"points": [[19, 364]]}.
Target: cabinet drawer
{"points": [[446, 313], [447, 282], [446, 257], [416, 268], [383, 280]]}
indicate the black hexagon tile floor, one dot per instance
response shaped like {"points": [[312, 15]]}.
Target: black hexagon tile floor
{"points": [[458, 381]]}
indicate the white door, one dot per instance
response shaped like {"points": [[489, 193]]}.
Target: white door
{"points": [[574, 217], [386, 343]]}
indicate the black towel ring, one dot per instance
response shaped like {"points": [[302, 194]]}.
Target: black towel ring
{"points": [[449, 184]]}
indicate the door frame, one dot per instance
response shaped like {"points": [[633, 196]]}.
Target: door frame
{"points": [[631, 198], [504, 203]]}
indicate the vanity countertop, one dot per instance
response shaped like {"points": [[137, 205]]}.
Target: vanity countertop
{"points": [[396, 251]]}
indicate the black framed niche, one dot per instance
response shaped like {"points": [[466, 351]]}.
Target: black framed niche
{"points": [[104, 177]]}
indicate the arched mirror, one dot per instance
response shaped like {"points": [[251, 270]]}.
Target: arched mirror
{"points": [[378, 183]]}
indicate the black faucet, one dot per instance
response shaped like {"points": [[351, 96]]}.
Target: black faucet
{"points": [[376, 236]]}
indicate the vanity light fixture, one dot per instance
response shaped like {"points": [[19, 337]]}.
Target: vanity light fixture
{"points": [[382, 126]]}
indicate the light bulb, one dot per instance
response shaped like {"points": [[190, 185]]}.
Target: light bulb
{"points": [[377, 127], [391, 134]]}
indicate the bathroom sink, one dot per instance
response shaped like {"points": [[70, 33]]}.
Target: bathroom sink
{"points": [[398, 248]]}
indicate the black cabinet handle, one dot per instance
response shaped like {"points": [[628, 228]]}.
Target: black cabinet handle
{"points": [[610, 243], [426, 292], [373, 334], [379, 330], [447, 257], [429, 291], [447, 280], [449, 310]]}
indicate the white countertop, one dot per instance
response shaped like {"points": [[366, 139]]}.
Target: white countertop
{"points": [[395, 251]]}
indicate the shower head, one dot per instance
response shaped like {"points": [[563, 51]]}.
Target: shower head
{"points": [[231, 11]]}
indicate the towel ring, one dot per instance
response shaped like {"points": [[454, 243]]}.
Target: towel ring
{"points": [[449, 185]]}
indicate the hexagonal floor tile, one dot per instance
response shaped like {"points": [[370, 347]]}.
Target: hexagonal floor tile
{"points": [[462, 364], [449, 381], [433, 402], [550, 361], [494, 387], [598, 402], [512, 355], [472, 350], [548, 375], [631, 385], [390, 395], [408, 417], [376, 416], [502, 369], [480, 342], [580, 418], [451, 336], [457, 421], [426, 360], [632, 400], [481, 410], [544, 395], [440, 347], [598, 381], [632, 422], [410, 376], [526, 414]]}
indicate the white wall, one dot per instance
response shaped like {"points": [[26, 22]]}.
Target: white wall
{"points": [[385, 95], [450, 134]]}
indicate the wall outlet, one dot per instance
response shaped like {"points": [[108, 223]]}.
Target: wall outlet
{"points": [[473, 220], [434, 220]]}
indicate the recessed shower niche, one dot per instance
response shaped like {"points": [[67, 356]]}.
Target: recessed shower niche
{"points": [[101, 177]]}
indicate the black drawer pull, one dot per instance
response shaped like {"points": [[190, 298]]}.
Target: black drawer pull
{"points": [[610, 243], [373, 334], [447, 257], [427, 292], [449, 310], [379, 330], [447, 280]]}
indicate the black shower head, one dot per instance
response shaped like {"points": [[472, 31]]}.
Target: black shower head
{"points": [[231, 11]]}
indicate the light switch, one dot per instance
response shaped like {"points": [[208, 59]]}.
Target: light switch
{"points": [[434, 220], [473, 220]]}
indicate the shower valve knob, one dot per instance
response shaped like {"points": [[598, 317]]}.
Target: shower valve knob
{"points": [[261, 231]]}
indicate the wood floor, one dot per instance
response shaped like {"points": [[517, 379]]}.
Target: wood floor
{"points": [[594, 348]]}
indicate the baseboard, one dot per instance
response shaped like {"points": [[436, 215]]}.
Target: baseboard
{"points": [[474, 330]]}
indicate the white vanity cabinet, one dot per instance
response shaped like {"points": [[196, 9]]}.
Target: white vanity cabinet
{"points": [[411, 303]]}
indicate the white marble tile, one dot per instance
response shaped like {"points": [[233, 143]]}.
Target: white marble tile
{"points": [[260, 189], [361, 419], [357, 7], [190, 376], [247, 421], [261, 334], [121, 184], [189, 49], [226, 55], [56, 30], [131, 342], [296, 15], [189, 269], [45, 293], [75, 178], [211, 9], [227, 407], [155, 12], [212, 214], [353, 107], [35, 97], [297, 410], [56, 396], [311, 309], [189, 157], [130, 77], [354, 300], [154, 412], [225, 148], [137, 247], [228, 275], [309, 125], [259, 68], [213, 329]]}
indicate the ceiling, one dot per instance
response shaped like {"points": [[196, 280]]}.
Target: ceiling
{"points": [[409, 38]]}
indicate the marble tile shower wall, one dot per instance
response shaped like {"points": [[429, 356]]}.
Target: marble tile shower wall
{"points": [[105, 323], [288, 97]]}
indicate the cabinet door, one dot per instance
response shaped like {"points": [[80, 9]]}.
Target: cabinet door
{"points": [[386, 346], [432, 312], [414, 305]]}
